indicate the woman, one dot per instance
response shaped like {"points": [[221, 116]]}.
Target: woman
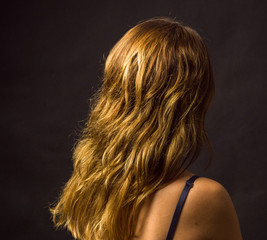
{"points": [[145, 129]]}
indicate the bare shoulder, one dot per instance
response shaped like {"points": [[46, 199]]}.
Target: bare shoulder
{"points": [[209, 210]]}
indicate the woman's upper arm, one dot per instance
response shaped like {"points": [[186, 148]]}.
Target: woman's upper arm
{"points": [[210, 210]]}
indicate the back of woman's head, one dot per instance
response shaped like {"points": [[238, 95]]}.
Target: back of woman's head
{"points": [[145, 128]]}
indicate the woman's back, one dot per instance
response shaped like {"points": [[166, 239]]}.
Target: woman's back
{"points": [[208, 212], [146, 126]]}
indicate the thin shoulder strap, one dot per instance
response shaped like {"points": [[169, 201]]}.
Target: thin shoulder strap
{"points": [[188, 185]]}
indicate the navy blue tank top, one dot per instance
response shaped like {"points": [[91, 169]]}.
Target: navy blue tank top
{"points": [[188, 185]]}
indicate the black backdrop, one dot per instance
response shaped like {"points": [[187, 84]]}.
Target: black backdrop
{"points": [[52, 60]]}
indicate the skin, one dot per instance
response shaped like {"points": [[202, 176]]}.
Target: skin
{"points": [[208, 213]]}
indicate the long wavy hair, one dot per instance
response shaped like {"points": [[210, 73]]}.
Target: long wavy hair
{"points": [[146, 126]]}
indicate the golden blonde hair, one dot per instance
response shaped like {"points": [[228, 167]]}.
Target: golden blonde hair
{"points": [[145, 128]]}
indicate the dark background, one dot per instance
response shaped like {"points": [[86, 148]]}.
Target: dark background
{"points": [[51, 63]]}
